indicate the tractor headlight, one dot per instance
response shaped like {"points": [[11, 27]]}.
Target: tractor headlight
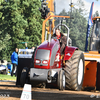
{"points": [[37, 61], [45, 62]]}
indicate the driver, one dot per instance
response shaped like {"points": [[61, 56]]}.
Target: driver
{"points": [[62, 39]]}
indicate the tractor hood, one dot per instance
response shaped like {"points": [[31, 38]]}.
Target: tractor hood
{"points": [[47, 45], [45, 54]]}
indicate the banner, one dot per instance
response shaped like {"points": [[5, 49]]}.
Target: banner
{"points": [[90, 23]]}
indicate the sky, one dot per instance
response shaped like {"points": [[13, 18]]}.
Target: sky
{"points": [[64, 4]]}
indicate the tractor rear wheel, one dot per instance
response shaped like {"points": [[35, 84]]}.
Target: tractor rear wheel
{"points": [[24, 76], [74, 71], [61, 80]]}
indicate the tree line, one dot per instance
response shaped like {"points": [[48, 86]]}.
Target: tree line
{"points": [[20, 21], [78, 24]]}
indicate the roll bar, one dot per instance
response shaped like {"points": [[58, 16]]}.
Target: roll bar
{"points": [[65, 27], [43, 26]]}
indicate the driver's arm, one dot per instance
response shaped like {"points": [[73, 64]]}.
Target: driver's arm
{"points": [[64, 40]]}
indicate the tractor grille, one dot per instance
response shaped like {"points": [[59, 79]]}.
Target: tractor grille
{"points": [[42, 55]]}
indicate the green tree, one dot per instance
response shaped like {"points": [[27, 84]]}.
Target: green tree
{"points": [[78, 30], [4, 36], [81, 7], [96, 14], [21, 19], [78, 25]]}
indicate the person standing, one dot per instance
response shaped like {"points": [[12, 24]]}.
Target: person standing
{"points": [[14, 60], [26, 45]]}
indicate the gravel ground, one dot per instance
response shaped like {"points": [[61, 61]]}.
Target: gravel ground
{"points": [[9, 91]]}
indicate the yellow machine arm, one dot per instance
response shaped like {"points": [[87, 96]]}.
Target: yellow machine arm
{"points": [[50, 4], [47, 13], [47, 9], [44, 22]]}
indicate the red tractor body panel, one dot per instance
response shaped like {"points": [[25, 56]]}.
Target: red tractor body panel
{"points": [[47, 45], [69, 52], [49, 52]]}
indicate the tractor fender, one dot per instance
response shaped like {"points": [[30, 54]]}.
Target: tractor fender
{"points": [[69, 50]]}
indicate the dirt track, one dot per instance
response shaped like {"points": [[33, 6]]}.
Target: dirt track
{"points": [[11, 92]]}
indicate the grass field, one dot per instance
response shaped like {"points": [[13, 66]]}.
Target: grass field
{"points": [[7, 77]]}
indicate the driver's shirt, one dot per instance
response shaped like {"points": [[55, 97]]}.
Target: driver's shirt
{"points": [[58, 36]]}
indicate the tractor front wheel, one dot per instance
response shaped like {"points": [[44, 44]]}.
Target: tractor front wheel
{"points": [[61, 80], [74, 71], [24, 76]]}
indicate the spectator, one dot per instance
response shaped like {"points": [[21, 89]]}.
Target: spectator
{"points": [[33, 48], [26, 45], [14, 60]]}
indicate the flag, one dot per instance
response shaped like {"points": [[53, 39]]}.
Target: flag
{"points": [[90, 23]]}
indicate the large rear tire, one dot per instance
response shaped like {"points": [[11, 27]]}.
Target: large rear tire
{"points": [[74, 71], [24, 76]]}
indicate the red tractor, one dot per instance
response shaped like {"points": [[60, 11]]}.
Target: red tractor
{"points": [[50, 66]]}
